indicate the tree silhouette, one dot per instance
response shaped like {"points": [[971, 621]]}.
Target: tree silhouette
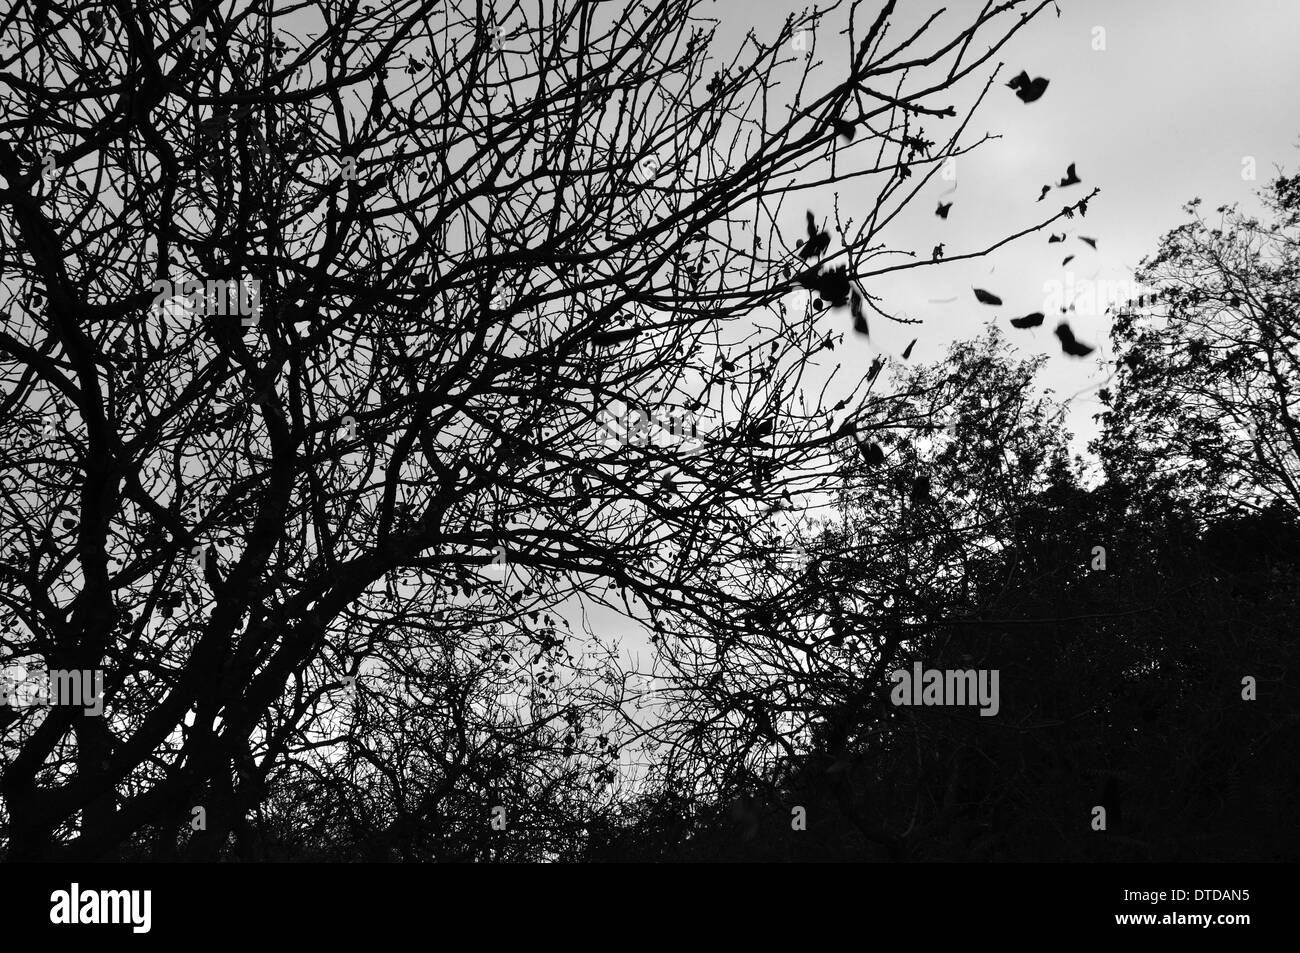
{"points": [[1122, 678], [883, 569], [1205, 397], [317, 320]]}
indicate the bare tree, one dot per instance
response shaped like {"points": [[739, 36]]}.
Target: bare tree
{"points": [[321, 320]]}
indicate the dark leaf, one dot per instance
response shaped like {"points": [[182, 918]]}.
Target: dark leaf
{"points": [[1069, 345]]}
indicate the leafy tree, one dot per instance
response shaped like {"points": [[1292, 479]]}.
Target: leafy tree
{"points": [[889, 566], [1205, 400], [1121, 677]]}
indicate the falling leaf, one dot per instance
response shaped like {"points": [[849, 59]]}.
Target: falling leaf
{"points": [[844, 128], [1029, 90], [817, 243], [871, 452], [1068, 343], [832, 284], [607, 338], [859, 318]]}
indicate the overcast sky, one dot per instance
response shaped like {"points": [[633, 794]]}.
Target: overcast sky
{"points": [[1183, 91]]}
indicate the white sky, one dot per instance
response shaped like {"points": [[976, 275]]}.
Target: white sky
{"points": [[1183, 91]]}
